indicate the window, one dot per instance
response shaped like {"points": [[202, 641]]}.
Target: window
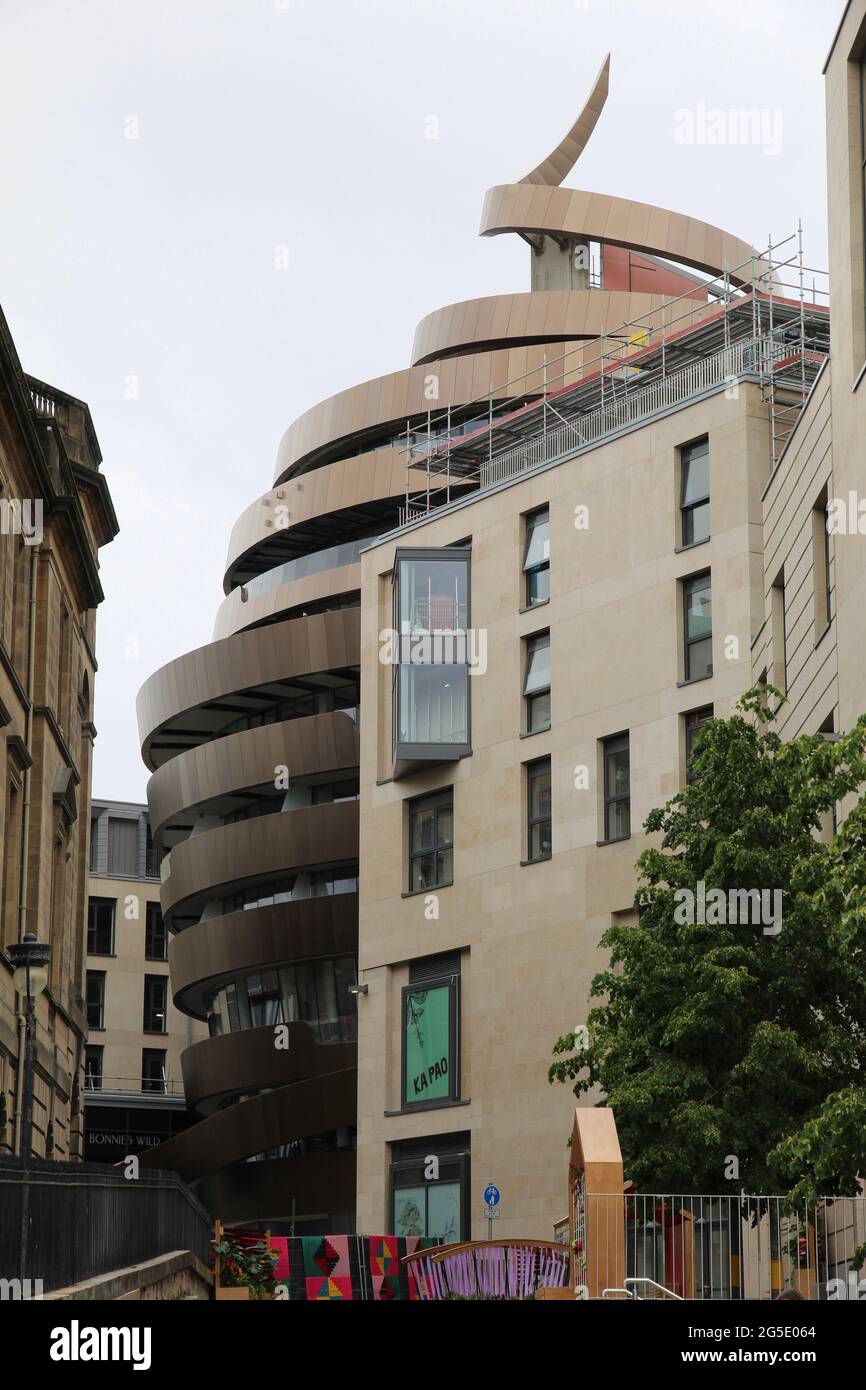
{"points": [[779, 635], [821, 566], [151, 857], [95, 999], [536, 683], [100, 926], [431, 842], [122, 840], [430, 1050], [695, 492], [94, 823], [155, 934], [617, 788], [431, 668], [536, 558], [311, 992], [693, 721], [698, 627], [155, 999], [153, 1070], [93, 1067], [424, 1206], [538, 810]]}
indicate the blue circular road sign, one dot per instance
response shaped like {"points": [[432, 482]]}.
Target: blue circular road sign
{"points": [[492, 1195]]}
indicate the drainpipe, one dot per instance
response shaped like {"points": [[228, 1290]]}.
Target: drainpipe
{"points": [[25, 832]]}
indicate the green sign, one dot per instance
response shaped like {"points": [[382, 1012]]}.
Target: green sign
{"points": [[428, 1044]]}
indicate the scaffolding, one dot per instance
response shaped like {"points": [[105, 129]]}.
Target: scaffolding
{"points": [[749, 327]]}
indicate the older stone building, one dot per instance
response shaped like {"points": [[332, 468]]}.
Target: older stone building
{"points": [[56, 512]]}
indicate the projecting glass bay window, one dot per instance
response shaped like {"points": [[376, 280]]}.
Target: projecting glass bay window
{"points": [[431, 673]]}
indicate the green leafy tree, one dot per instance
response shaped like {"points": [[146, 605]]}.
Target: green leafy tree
{"points": [[721, 1040]]}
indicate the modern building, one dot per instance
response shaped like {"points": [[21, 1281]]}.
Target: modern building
{"points": [[638, 549], [55, 515], [262, 725], [133, 1085], [542, 555]]}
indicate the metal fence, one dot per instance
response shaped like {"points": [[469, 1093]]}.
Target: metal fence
{"points": [[66, 1222], [718, 1247]]}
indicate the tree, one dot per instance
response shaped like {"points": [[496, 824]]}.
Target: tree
{"points": [[719, 1038]]}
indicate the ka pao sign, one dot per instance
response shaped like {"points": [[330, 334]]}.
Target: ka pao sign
{"points": [[427, 1023]]}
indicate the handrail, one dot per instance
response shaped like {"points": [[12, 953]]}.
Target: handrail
{"points": [[639, 1279]]}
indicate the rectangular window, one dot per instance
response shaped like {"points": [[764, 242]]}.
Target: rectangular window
{"points": [[536, 682], [431, 841], [122, 840], [155, 1001], [617, 787], [538, 808], [693, 721], [425, 1206], [93, 1067], [151, 857], [821, 566], [695, 492], [94, 822], [100, 926], [779, 633], [155, 934], [153, 1070], [698, 627], [536, 558], [431, 665], [95, 998], [430, 1058]]}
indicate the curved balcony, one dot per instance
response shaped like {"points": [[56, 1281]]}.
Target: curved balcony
{"points": [[223, 948], [388, 401], [259, 1124], [551, 316], [235, 1063], [193, 698], [307, 1186], [216, 861], [235, 762], [313, 514], [328, 588]]}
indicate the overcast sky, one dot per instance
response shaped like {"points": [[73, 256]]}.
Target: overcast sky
{"points": [[139, 273]]}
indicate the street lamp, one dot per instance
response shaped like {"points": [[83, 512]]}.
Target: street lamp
{"points": [[30, 959]]}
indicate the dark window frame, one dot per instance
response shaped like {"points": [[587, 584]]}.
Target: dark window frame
{"points": [[530, 572], [693, 721], [537, 768], [436, 802], [452, 982], [536, 642], [691, 584], [689, 454], [153, 1085], [92, 930], [100, 976], [90, 1054], [152, 909], [615, 743], [149, 985], [453, 1166]]}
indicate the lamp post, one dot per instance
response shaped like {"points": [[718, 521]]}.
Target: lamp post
{"points": [[30, 960]]}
